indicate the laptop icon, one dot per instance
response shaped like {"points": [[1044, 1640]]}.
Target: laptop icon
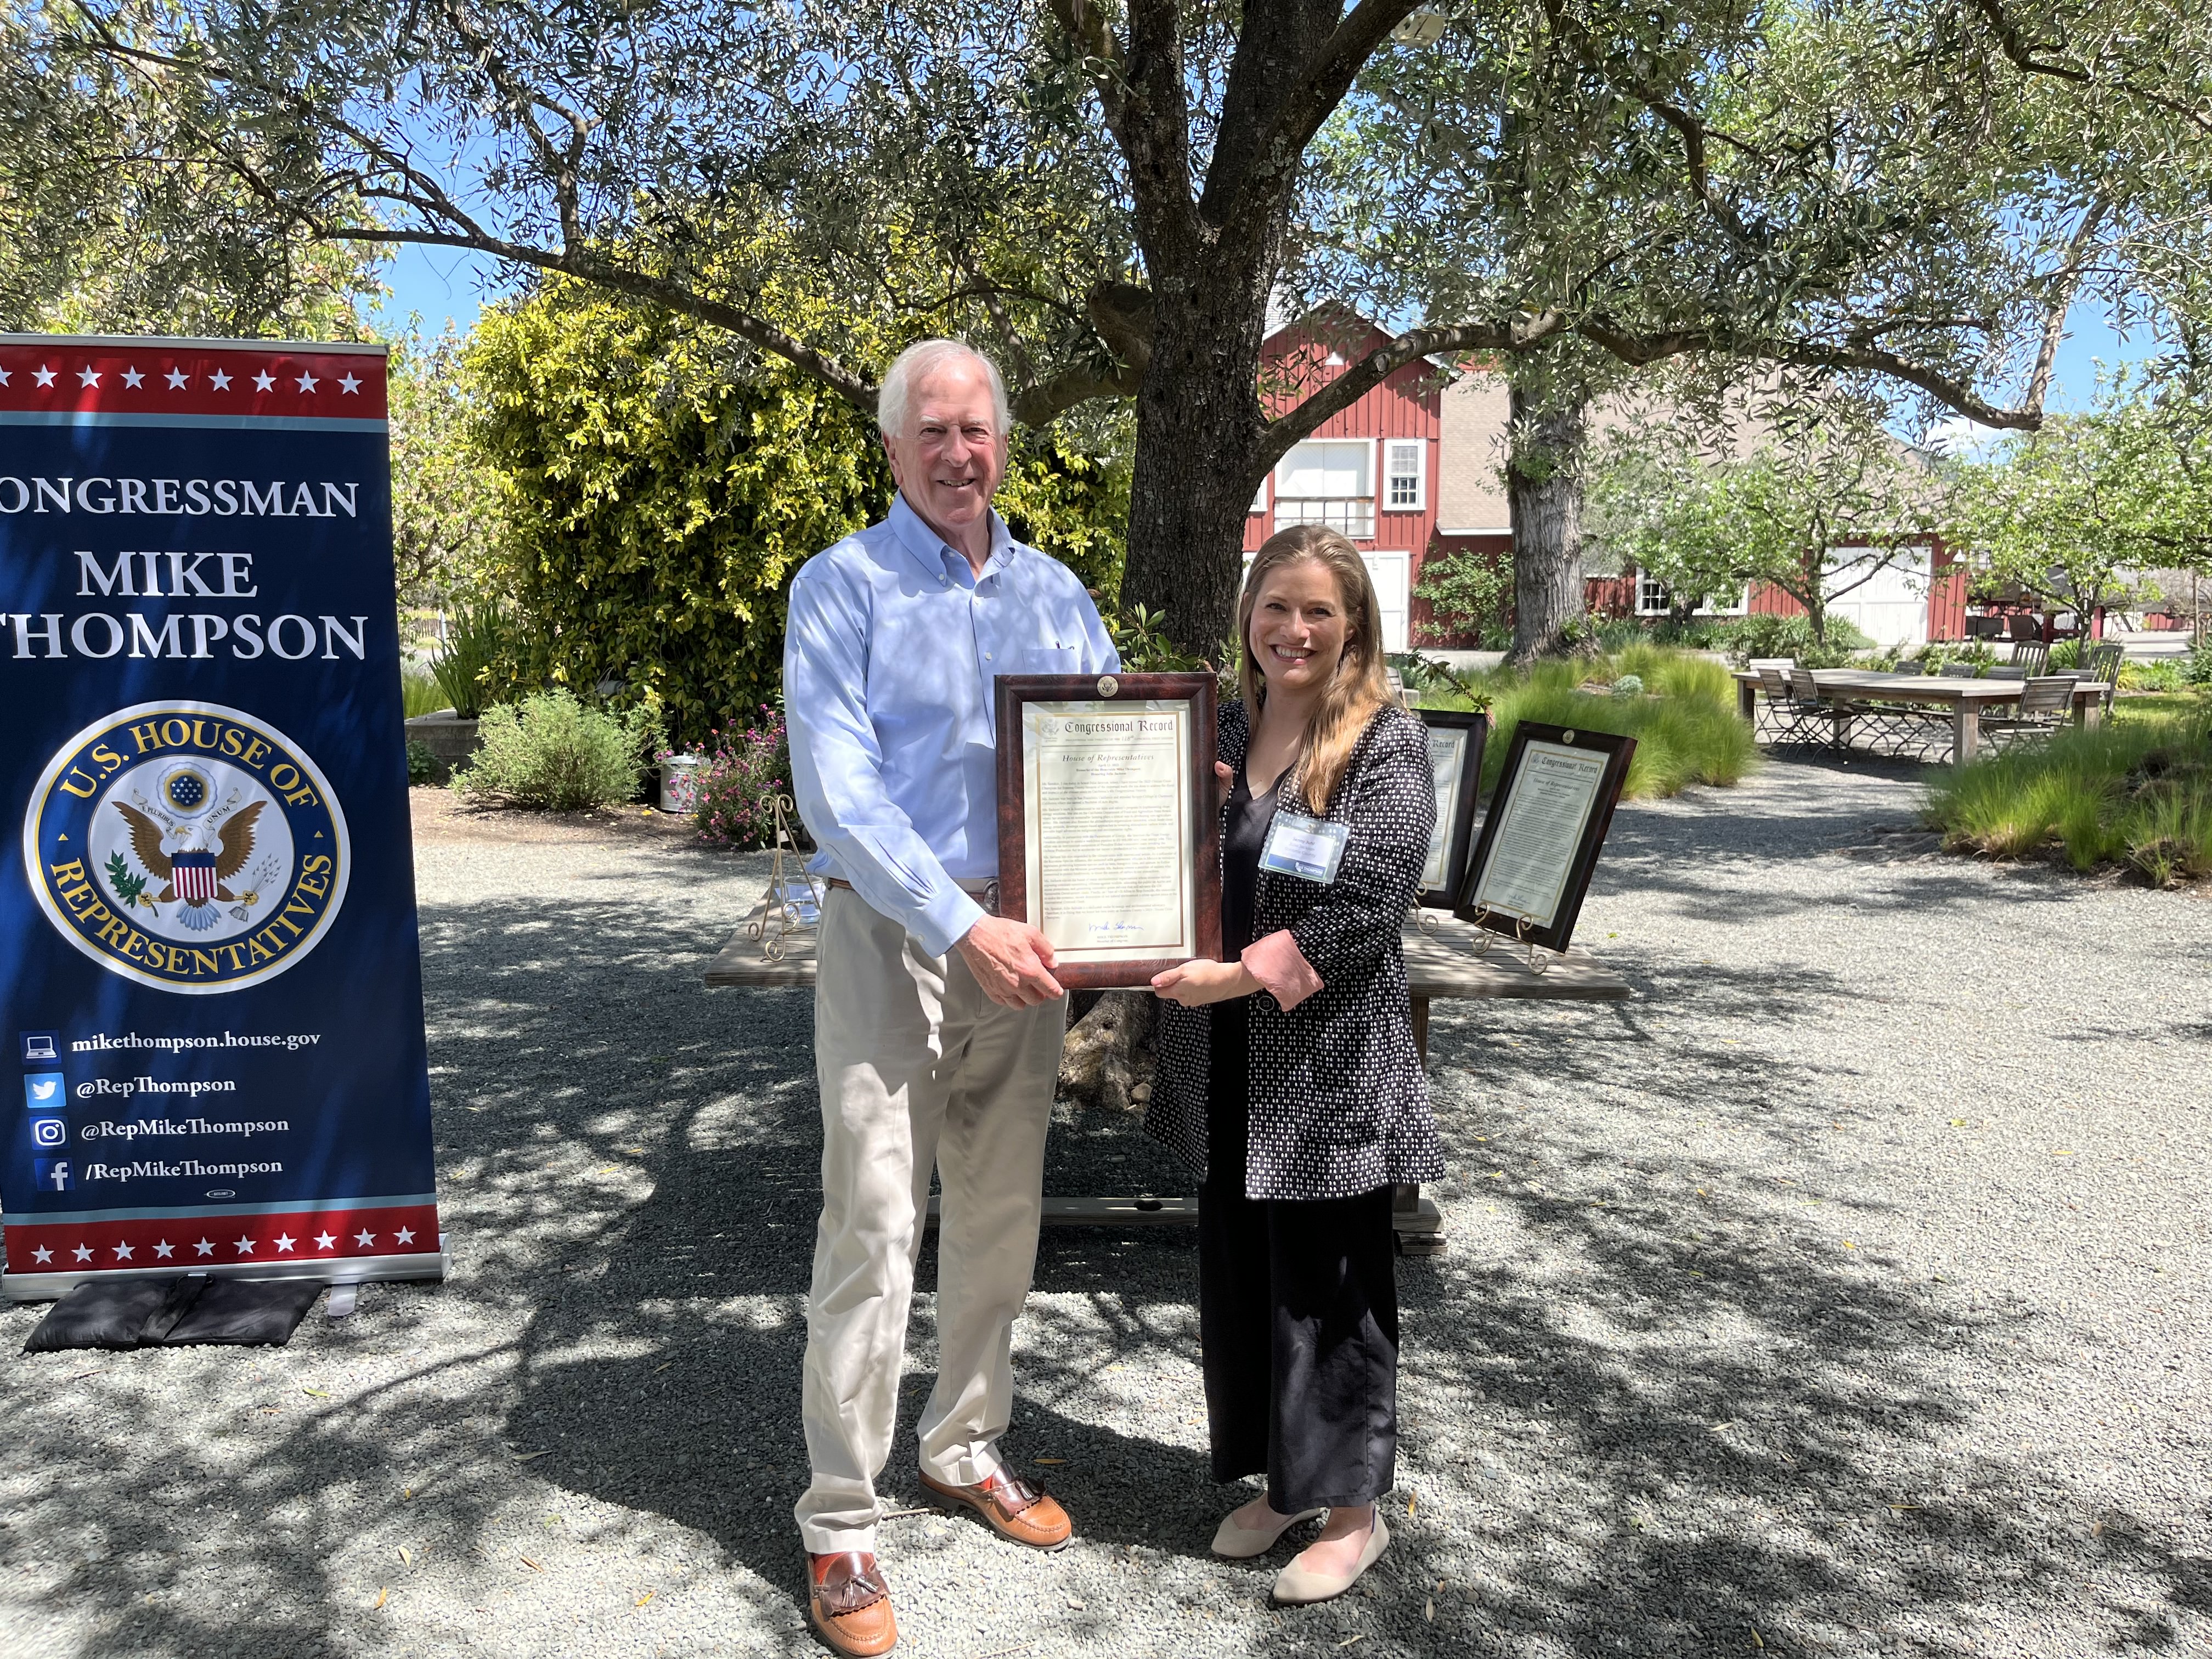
{"points": [[41, 1047]]}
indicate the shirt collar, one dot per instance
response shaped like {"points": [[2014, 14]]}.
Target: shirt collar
{"points": [[929, 551]]}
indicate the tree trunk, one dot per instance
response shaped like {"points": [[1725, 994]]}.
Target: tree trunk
{"points": [[1107, 1058], [1198, 431], [1544, 490]]}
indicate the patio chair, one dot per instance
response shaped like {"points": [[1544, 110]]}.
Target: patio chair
{"points": [[1837, 713], [2102, 662], [2044, 707], [2005, 671], [1956, 671], [1790, 718], [2024, 625], [2034, 655]]}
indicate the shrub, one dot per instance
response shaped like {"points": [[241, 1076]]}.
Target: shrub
{"points": [[1792, 636], [2196, 666], [2135, 793], [551, 751], [1689, 733], [2166, 675], [745, 771], [419, 692], [463, 667], [1469, 593], [422, 765], [662, 490]]}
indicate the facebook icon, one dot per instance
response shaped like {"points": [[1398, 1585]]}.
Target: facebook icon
{"points": [[52, 1173]]}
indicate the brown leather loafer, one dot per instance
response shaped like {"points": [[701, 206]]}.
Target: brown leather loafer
{"points": [[849, 1604], [1013, 1509]]}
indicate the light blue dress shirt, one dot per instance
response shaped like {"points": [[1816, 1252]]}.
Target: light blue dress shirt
{"points": [[889, 648]]}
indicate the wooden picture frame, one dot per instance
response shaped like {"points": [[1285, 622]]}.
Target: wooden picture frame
{"points": [[1055, 787], [1559, 784], [1468, 732]]}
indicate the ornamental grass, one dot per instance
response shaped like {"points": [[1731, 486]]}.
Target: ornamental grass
{"points": [[2135, 794], [1684, 721]]}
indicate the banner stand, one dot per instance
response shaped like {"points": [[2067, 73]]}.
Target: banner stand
{"points": [[356, 1270], [210, 976]]}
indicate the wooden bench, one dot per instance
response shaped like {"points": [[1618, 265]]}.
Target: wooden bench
{"points": [[1443, 962]]}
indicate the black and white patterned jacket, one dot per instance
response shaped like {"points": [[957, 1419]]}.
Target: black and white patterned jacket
{"points": [[1338, 1103]]}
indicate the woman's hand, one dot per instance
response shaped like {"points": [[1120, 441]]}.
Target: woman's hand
{"points": [[1194, 984]]}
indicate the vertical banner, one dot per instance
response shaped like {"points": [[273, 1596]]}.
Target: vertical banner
{"points": [[209, 962]]}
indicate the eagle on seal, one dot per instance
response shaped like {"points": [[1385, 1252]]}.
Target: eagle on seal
{"points": [[193, 877]]}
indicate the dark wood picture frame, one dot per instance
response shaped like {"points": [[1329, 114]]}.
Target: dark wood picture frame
{"points": [[1617, 751], [1458, 826], [1011, 692]]}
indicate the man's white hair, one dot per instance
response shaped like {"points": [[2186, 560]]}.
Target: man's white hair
{"points": [[914, 366]]}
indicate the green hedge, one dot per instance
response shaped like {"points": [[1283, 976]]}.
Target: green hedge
{"points": [[661, 491]]}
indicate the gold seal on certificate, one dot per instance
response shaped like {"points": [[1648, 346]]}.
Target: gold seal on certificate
{"points": [[1108, 828], [1540, 842]]}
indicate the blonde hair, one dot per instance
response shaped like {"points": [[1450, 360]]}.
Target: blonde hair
{"points": [[1360, 684]]}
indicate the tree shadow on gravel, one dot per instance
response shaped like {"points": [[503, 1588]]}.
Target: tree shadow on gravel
{"points": [[1646, 1413]]}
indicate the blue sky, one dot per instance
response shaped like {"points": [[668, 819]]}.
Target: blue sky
{"points": [[443, 283]]}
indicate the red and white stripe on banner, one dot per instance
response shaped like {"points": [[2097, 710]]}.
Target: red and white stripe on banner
{"points": [[284, 1239]]}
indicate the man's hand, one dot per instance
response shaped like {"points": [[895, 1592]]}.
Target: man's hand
{"points": [[1194, 984], [1011, 961]]}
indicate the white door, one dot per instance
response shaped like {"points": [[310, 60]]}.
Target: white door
{"points": [[1890, 607], [1392, 574]]}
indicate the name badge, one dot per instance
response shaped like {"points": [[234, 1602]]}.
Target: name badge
{"points": [[1310, 849]]}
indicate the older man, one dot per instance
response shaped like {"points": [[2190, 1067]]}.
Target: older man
{"points": [[937, 1023]]}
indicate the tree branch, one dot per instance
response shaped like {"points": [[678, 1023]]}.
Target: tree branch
{"points": [[1377, 365], [2022, 53]]}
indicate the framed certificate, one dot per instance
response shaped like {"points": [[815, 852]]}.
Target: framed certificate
{"points": [[1109, 823], [1541, 839], [1456, 740]]}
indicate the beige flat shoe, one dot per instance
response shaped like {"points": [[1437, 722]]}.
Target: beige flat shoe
{"points": [[1296, 1585], [1241, 1543]]}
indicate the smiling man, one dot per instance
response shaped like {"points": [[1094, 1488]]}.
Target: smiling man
{"points": [[937, 1024]]}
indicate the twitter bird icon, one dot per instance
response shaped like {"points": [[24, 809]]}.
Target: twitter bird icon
{"points": [[45, 1090]]}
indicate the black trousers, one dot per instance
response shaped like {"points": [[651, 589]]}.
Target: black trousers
{"points": [[1298, 1306]]}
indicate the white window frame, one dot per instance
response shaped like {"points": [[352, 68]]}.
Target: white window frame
{"points": [[1658, 606], [1260, 496], [1392, 447], [1360, 515]]}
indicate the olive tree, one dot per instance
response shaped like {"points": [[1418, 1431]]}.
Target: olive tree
{"points": [[1112, 197]]}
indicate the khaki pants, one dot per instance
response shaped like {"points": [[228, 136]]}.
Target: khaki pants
{"points": [[918, 1069]]}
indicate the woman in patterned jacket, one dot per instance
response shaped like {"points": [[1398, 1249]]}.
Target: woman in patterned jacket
{"points": [[1288, 1075]]}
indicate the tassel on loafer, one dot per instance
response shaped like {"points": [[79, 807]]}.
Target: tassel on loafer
{"points": [[1240, 1543], [1296, 1585]]}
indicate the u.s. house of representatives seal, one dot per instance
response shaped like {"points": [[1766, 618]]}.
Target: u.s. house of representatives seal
{"points": [[187, 845]]}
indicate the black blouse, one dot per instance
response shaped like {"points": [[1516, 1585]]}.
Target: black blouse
{"points": [[1245, 835]]}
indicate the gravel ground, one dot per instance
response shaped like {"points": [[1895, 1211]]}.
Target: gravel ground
{"points": [[1845, 1293]]}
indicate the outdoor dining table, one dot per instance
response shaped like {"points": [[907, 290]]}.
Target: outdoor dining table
{"points": [[1967, 700], [1444, 960]]}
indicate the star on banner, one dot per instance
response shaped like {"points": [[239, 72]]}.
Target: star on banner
{"points": [[178, 378], [4, 377], [325, 1241], [307, 382], [246, 1247], [165, 1249], [406, 1234], [264, 381], [220, 381], [349, 384], [44, 375], [122, 1253], [82, 1253], [42, 1253], [203, 1248], [364, 1236], [283, 1242], [88, 377], [132, 378]]}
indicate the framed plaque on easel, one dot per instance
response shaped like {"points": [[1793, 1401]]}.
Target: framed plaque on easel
{"points": [[1541, 837], [1109, 827], [1455, 744]]}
